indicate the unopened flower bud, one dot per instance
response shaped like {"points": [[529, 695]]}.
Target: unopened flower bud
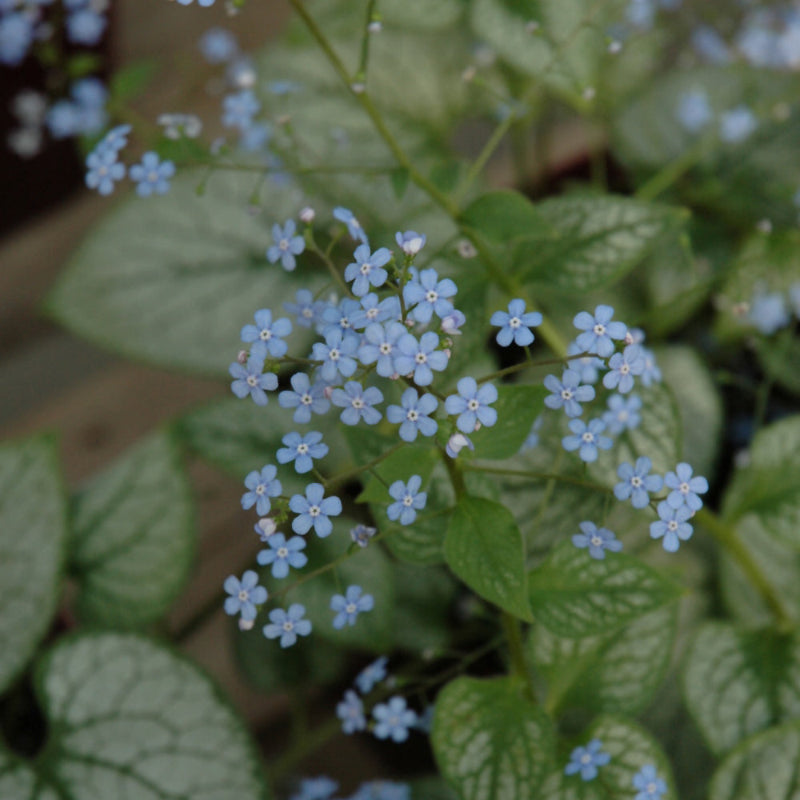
{"points": [[307, 215], [267, 526], [246, 624], [375, 26], [466, 249], [242, 357], [361, 534], [452, 322], [457, 443], [328, 392]]}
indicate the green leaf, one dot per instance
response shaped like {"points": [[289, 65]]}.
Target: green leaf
{"points": [[778, 358], [576, 595], [33, 532], [411, 459], [82, 64], [490, 741], [764, 766], [423, 14], [129, 718], [400, 178], [599, 238], [738, 683], [484, 548], [134, 537], [129, 82], [630, 747], [20, 782], [504, 215], [617, 672], [517, 407]]}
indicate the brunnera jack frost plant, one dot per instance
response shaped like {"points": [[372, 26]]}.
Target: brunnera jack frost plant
{"points": [[479, 431]]}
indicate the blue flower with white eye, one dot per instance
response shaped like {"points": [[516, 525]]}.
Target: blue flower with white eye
{"points": [[287, 625], [598, 331], [351, 712], [515, 325], [408, 500], [636, 483], [367, 269], [622, 368], [353, 225], [419, 357], [103, 170], [239, 109], [472, 404], [262, 486], [314, 510], [116, 139], [302, 450], [380, 345], [285, 245], [393, 719], [245, 595], [336, 354], [152, 175], [672, 525], [304, 398], [586, 438], [413, 415], [685, 488], [374, 311], [586, 760], [267, 334], [307, 310], [16, 37], [597, 540], [349, 605], [427, 295], [250, 380], [361, 534], [648, 784], [588, 367], [567, 393], [651, 373], [371, 675], [358, 403], [340, 316], [622, 414], [282, 554]]}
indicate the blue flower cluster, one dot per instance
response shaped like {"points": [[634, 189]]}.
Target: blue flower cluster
{"points": [[324, 788]]}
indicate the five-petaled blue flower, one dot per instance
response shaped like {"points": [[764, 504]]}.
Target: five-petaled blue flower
{"points": [[361, 534], [351, 712], [320, 788], [428, 294], [314, 511], [336, 354], [567, 392], [152, 175], [586, 438], [307, 310], [287, 625], [262, 486], [103, 169], [409, 499], [598, 540], [349, 605], [685, 488], [358, 403], [636, 482], [249, 380], [282, 554], [515, 325], [472, 405], [371, 674], [599, 330], [380, 345], [302, 450], [622, 368], [286, 245], [266, 335], [372, 310], [367, 269], [340, 315], [651, 373], [413, 415], [245, 595], [353, 225], [239, 109], [304, 398], [622, 414], [586, 760], [393, 719], [419, 357], [672, 525], [648, 784]]}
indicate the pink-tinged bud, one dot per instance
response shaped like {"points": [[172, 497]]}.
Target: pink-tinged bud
{"points": [[629, 338], [307, 215], [328, 392], [267, 525], [477, 426], [242, 357], [452, 322], [466, 249], [409, 323], [457, 443], [395, 376], [246, 624], [447, 352]]}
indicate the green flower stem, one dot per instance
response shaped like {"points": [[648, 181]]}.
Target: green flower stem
{"points": [[539, 476], [326, 260], [363, 63], [352, 473], [486, 153], [728, 538], [523, 365], [672, 172], [301, 749], [516, 651]]}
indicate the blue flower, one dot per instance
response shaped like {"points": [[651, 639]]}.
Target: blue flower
{"points": [[515, 325], [472, 405], [314, 511], [152, 175], [301, 450], [267, 334], [586, 438], [321, 788], [371, 675], [637, 484], [651, 373], [373, 311], [239, 109], [420, 357], [350, 605], [251, 381], [532, 439], [622, 414], [588, 367], [408, 499], [567, 393], [353, 225], [103, 169], [340, 317], [393, 719], [218, 45], [265, 527], [672, 525], [307, 310], [287, 624], [286, 245], [85, 27], [282, 554], [694, 112], [598, 540], [367, 269], [599, 330], [685, 488], [410, 242], [380, 344], [648, 784], [361, 534], [262, 486], [768, 312], [413, 415], [428, 294], [116, 139], [245, 595], [351, 712], [358, 403], [623, 366], [16, 37], [452, 322], [456, 443], [736, 125], [336, 355], [304, 398], [382, 790], [586, 760]]}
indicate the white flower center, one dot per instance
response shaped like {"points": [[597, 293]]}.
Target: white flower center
{"points": [[306, 399], [650, 788], [358, 402], [344, 322], [473, 404], [283, 552], [408, 500], [265, 335], [385, 348], [566, 394], [636, 481], [372, 313], [412, 415], [684, 488], [596, 541], [431, 296], [288, 625], [672, 525], [333, 354], [314, 511], [622, 416], [586, 758], [307, 313], [420, 358], [599, 329], [302, 449], [252, 380], [588, 437], [365, 268], [351, 608], [260, 489], [514, 322], [152, 176], [243, 595], [624, 369]]}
